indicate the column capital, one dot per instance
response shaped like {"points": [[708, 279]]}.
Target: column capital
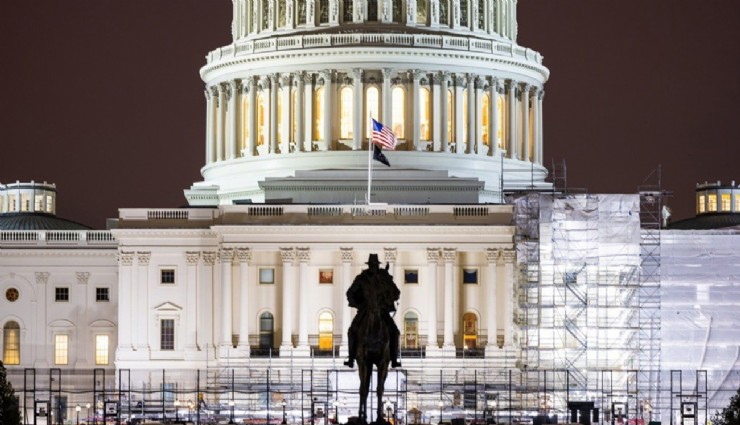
{"points": [[82, 277], [248, 84], [432, 255], [417, 75], [348, 254], [303, 254], [225, 89], [512, 83], [273, 78], [493, 255], [143, 257], [460, 80], [244, 255], [209, 258], [126, 258], [509, 255], [298, 77], [285, 80], [192, 257], [207, 93], [234, 85], [307, 77], [541, 93], [287, 255], [481, 83], [390, 255], [386, 74], [42, 278], [226, 255], [214, 90], [357, 73], [449, 255]]}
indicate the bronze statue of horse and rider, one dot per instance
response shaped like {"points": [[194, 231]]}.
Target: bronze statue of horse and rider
{"points": [[373, 335]]}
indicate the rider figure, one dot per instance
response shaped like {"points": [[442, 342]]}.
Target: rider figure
{"points": [[386, 292]]}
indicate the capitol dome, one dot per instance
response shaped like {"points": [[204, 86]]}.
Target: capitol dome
{"points": [[295, 90]]}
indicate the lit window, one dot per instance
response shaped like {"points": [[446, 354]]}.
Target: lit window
{"points": [[399, 111], [281, 13], [726, 202], [279, 137], [450, 114], [371, 105], [425, 125], [2, 204], [38, 201], [25, 203], [167, 276], [470, 276], [267, 276], [465, 114], [318, 114], [421, 12], [266, 330], [326, 331], [326, 276], [101, 349], [411, 276], [737, 202], [262, 118], [61, 349], [712, 207], [301, 12], [102, 294], [411, 331], [293, 126], [11, 343], [49, 203], [11, 203], [470, 330], [167, 334], [500, 120], [485, 111], [245, 121], [61, 294], [345, 114], [702, 203]]}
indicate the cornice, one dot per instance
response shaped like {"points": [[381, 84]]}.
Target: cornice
{"points": [[51, 252], [339, 230]]}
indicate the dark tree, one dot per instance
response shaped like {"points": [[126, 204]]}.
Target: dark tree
{"points": [[730, 415], [10, 414]]}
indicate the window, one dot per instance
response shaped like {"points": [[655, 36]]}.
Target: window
{"points": [[463, 13], [267, 276], [726, 202], [372, 10], [265, 14], [102, 294], [481, 14], [371, 105], [281, 13], [167, 276], [318, 114], [712, 207], [444, 7], [25, 202], [500, 120], [326, 331], [61, 349], [450, 115], [61, 294], [301, 12], [397, 12], [345, 113], [398, 97], [465, 114], [293, 117], [12, 294], [326, 276], [262, 118], [425, 124], [323, 11], [485, 112], [11, 203], [347, 11], [280, 115], [49, 203], [411, 276], [12, 343], [737, 202], [266, 330], [702, 203], [421, 12], [470, 330], [38, 202], [101, 349], [166, 334], [470, 276], [411, 331], [245, 121]]}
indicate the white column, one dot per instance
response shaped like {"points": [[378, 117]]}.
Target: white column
{"points": [[285, 119], [493, 119], [473, 120], [300, 111], [509, 260], [233, 119], [40, 311], [415, 108], [244, 255], [411, 13], [390, 255], [205, 310], [444, 117], [491, 300], [460, 141], [125, 300], [288, 257], [347, 257], [432, 259], [511, 130], [253, 131], [210, 144], [273, 113], [525, 122], [327, 117], [227, 257], [540, 128], [386, 101], [141, 324], [359, 92], [436, 86], [304, 257], [191, 307], [220, 125], [85, 359], [308, 79], [449, 255]]}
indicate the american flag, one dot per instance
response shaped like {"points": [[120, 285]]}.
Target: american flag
{"points": [[383, 136]]}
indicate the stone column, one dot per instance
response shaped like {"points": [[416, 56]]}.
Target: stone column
{"points": [[205, 311], [304, 257], [273, 113], [449, 255], [525, 123], [509, 280], [511, 130], [460, 141], [436, 87], [244, 255], [125, 301], [492, 258], [432, 259], [210, 144], [253, 130], [327, 117], [357, 119], [288, 257], [285, 118], [444, 116], [473, 121], [300, 108], [493, 119], [390, 255], [227, 257], [411, 13], [40, 344], [386, 98], [311, 13], [416, 108], [84, 343], [539, 141], [347, 257], [480, 85], [231, 144], [308, 79], [191, 306], [220, 125], [141, 336]]}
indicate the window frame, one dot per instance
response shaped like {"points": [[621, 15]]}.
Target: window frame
{"points": [[102, 290], [406, 274], [265, 269], [97, 353], [61, 294], [167, 270], [8, 344], [61, 351], [162, 335]]}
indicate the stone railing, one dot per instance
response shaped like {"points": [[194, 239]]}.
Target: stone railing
{"points": [[76, 238], [436, 41]]}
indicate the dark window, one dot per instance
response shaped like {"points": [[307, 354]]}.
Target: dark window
{"points": [[323, 11], [470, 276], [443, 7], [167, 334], [372, 10], [347, 12], [102, 294], [463, 13], [168, 276], [61, 294], [481, 14], [411, 276], [266, 330]]}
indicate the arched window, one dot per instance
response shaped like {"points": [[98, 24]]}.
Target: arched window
{"points": [[265, 15], [245, 122], [281, 13], [318, 114], [421, 12], [326, 331], [372, 102], [301, 12], [411, 331], [267, 330], [397, 11], [12, 343], [470, 330], [347, 12], [372, 10], [425, 115], [323, 12], [485, 118], [262, 118], [500, 118], [464, 22], [450, 116], [345, 113], [444, 12], [482, 14], [398, 97]]}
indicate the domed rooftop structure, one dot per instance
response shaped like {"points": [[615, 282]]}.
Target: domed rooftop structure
{"points": [[32, 206], [717, 207], [297, 87]]}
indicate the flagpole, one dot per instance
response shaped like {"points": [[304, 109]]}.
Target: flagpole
{"points": [[369, 164]]}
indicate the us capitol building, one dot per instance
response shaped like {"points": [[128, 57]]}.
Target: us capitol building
{"points": [[516, 297]]}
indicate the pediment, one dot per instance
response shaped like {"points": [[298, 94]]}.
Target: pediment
{"points": [[168, 307]]}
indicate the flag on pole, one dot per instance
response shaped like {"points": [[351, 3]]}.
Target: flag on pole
{"points": [[379, 156], [383, 136]]}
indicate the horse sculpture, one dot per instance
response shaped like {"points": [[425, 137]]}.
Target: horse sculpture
{"points": [[372, 350]]}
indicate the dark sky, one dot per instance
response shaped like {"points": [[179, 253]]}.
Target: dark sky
{"points": [[103, 97]]}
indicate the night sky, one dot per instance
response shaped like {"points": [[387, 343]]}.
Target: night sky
{"points": [[103, 97]]}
